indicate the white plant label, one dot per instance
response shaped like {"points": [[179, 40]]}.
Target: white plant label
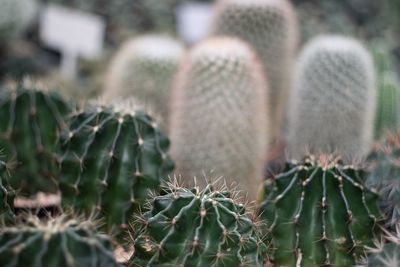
{"points": [[74, 33], [194, 21]]}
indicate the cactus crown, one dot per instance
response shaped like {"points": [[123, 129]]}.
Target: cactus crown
{"points": [[319, 213], [193, 227], [218, 113], [111, 159], [60, 241], [333, 103]]}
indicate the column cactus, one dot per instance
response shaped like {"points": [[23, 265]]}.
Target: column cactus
{"points": [[270, 27], [61, 241], [145, 67], [112, 158], [319, 213], [197, 227], [218, 114], [333, 102], [31, 121]]}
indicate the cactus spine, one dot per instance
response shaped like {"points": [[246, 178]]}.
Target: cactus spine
{"points": [[112, 158], [386, 252], [218, 116], [319, 213], [333, 103], [193, 227], [6, 196], [31, 120], [57, 242], [144, 68], [270, 27]]}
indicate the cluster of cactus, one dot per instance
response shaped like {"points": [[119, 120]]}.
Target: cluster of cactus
{"points": [[270, 27], [218, 114], [58, 241], [32, 120], [112, 158], [319, 213], [193, 227], [7, 195], [333, 102], [144, 68]]}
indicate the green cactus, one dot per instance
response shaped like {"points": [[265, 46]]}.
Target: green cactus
{"points": [[144, 68], [218, 114], [7, 194], [387, 117], [333, 103], [319, 213], [270, 27], [58, 242], [31, 120], [15, 17], [193, 227], [385, 177], [111, 159], [386, 253]]}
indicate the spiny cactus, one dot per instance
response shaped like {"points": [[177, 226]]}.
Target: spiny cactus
{"points": [[333, 103], [319, 213], [386, 253], [15, 16], [385, 176], [193, 227], [6, 196], [111, 158], [59, 242], [144, 68], [31, 120], [388, 102], [218, 114], [270, 27]]}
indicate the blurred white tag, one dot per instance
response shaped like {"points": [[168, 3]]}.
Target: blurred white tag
{"points": [[73, 33], [194, 21]]}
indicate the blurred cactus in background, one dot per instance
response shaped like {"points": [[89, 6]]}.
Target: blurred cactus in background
{"points": [[333, 102], [219, 115], [386, 252], [145, 67], [270, 27]]}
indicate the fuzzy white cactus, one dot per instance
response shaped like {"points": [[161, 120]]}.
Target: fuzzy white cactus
{"points": [[333, 103], [219, 115]]}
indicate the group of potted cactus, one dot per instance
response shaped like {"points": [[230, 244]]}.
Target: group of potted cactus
{"points": [[332, 198]]}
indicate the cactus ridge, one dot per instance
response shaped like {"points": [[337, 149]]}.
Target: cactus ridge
{"points": [[319, 213], [57, 242], [193, 227], [32, 119], [270, 27], [7, 194], [333, 102], [218, 114], [112, 158]]}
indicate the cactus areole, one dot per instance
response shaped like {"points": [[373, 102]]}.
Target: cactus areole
{"points": [[320, 214]]}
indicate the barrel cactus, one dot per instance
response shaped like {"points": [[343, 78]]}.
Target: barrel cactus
{"points": [[31, 121], [193, 227], [319, 213], [270, 27], [57, 242], [6, 196], [144, 68], [111, 159], [333, 103], [218, 114], [385, 176]]}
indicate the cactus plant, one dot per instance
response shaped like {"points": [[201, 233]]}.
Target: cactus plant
{"points": [[59, 241], [111, 158], [270, 27], [385, 176], [31, 120], [6, 196], [144, 68], [193, 227], [319, 213], [333, 103], [386, 252], [218, 114]]}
